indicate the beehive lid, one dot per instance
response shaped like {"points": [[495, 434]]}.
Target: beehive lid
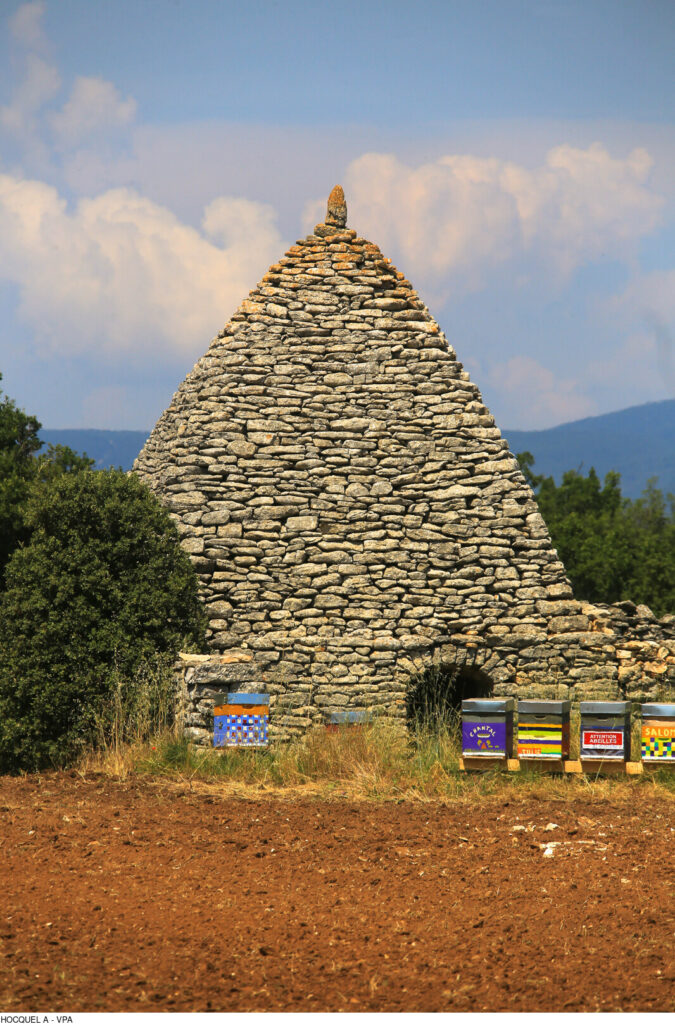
{"points": [[349, 717], [609, 707], [474, 706], [542, 707], [658, 710], [241, 698]]}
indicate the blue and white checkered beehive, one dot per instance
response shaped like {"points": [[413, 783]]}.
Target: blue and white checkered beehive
{"points": [[241, 720]]}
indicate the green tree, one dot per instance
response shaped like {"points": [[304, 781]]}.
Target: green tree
{"points": [[651, 521], [21, 468], [100, 589], [18, 444], [613, 548]]}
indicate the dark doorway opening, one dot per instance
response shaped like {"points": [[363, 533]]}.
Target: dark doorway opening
{"points": [[434, 700]]}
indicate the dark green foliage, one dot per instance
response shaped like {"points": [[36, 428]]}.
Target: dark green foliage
{"points": [[99, 591], [18, 444], [21, 469], [614, 549]]}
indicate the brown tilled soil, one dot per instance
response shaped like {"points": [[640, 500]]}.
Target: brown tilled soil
{"points": [[141, 896]]}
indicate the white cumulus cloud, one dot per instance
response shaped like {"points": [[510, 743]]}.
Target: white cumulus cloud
{"points": [[40, 80], [121, 274], [647, 305], [94, 106], [532, 396], [89, 126], [452, 221], [651, 295], [40, 83], [25, 25]]}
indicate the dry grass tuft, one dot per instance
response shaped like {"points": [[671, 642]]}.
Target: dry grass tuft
{"points": [[378, 762]]}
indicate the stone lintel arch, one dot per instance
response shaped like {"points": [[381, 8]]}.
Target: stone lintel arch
{"points": [[450, 673]]}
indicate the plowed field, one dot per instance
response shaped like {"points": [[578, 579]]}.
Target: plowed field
{"points": [[141, 896]]}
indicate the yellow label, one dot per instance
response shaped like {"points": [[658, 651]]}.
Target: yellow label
{"points": [[661, 732]]}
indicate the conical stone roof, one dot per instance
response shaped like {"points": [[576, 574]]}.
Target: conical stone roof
{"points": [[347, 500]]}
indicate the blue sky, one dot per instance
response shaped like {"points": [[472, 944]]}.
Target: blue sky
{"points": [[515, 159]]}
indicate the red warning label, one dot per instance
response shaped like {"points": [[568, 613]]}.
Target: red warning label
{"points": [[602, 739]]}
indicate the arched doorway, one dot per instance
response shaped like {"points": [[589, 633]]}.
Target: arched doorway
{"points": [[434, 698]]}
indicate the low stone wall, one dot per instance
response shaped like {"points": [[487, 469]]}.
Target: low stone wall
{"points": [[580, 652], [199, 677], [587, 652]]}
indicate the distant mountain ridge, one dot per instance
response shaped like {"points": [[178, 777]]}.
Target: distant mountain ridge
{"points": [[107, 448], [638, 443]]}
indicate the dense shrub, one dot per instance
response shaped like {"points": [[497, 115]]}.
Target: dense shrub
{"points": [[101, 589]]}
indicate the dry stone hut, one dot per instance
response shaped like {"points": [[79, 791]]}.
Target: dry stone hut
{"points": [[356, 519]]}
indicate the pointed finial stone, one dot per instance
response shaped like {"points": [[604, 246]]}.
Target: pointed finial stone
{"points": [[337, 208]]}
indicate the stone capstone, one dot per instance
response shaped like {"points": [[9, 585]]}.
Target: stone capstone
{"points": [[337, 208]]}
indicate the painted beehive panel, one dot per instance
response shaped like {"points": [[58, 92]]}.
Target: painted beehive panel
{"points": [[487, 728], [601, 741], [242, 720], [605, 730], [543, 729], [544, 739], [658, 733]]}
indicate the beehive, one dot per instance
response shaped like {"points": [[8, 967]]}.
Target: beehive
{"points": [[543, 729], [658, 733], [241, 720]]}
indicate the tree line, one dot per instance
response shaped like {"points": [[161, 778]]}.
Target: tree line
{"points": [[614, 548]]}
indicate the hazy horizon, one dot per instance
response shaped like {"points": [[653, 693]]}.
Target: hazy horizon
{"points": [[581, 419]]}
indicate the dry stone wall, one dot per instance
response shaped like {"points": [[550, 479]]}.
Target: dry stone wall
{"points": [[621, 653], [353, 512]]}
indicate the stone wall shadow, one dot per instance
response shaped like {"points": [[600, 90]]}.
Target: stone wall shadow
{"points": [[434, 697]]}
